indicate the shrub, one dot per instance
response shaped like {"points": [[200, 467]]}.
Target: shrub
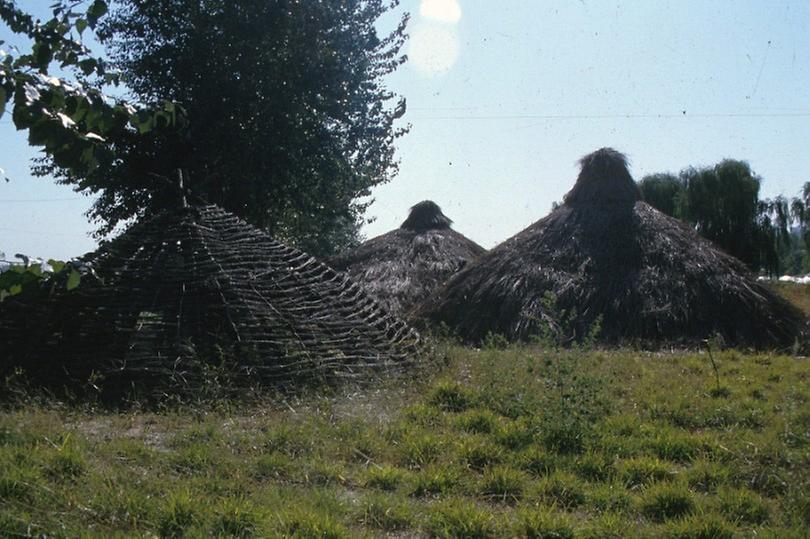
{"points": [[642, 471], [594, 466], [515, 435], [456, 518], [699, 527], [384, 477], [537, 461], [236, 518], [178, 514], [677, 447], [565, 437], [384, 513], [664, 502], [477, 421], [273, 465], [478, 454], [419, 449], [503, 483], [67, 464], [451, 397], [609, 498], [742, 505], [563, 489], [191, 460], [706, 476], [310, 525], [543, 524], [435, 480]]}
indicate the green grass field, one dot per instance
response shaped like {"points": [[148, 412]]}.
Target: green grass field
{"points": [[498, 443], [798, 294]]}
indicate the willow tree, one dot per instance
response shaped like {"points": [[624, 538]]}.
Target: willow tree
{"points": [[289, 121]]}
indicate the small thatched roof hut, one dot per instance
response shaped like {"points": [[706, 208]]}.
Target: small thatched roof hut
{"points": [[606, 256], [404, 266], [196, 294]]}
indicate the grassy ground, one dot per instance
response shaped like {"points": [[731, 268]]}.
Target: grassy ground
{"points": [[798, 294], [502, 443]]}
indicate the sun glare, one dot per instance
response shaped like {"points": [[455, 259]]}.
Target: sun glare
{"points": [[433, 49], [440, 10]]}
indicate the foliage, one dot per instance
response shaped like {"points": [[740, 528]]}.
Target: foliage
{"points": [[73, 121], [29, 276], [289, 120], [722, 203], [663, 192]]}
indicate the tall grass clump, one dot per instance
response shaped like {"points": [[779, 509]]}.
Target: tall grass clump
{"points": [[456, 518]]}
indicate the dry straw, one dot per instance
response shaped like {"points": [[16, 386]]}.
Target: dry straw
{"points": [[406, 265], [605, 255]]}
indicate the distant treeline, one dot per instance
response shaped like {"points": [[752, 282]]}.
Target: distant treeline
{"points": [[722, 203]]}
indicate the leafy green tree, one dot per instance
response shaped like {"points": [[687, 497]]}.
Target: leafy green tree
{"points": [[722, 202], [663, 192], [289, 120], [71, 119], [800, 214]]}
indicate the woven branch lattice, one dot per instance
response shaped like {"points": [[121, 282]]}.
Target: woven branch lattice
{"points": [[195, 290]]}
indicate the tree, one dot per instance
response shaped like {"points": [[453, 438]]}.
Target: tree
{"points": [[72, 120], [722, 203], [289, 122], [663, 192]]}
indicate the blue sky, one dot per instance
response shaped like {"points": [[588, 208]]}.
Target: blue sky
{"points": [[504, 97]]}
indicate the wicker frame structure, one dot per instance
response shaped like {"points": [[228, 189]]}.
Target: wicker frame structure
{"points": [[196, 291]]}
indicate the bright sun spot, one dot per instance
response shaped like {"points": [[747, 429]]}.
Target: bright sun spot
{"points": [[433, 48], [440, 10]]}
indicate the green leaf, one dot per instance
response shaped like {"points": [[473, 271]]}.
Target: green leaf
{"points": [[95, 12], [43, 54], [73, 279], [81, 25], [87, 66], [57, 265]]}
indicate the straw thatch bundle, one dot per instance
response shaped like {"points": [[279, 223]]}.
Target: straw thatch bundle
{"points": [[605, 255], [402, 267], [198, 293]]}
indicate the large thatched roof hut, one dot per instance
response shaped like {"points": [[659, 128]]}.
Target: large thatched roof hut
{"points": [[196, 294], [404, 266], [606, 256]]}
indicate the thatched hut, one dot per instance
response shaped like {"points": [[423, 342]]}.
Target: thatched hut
{"points": [[404, 266], [197, 294], [606, 257]]}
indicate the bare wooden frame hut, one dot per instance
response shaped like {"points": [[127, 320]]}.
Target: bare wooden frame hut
{"points": [[196, 293]]}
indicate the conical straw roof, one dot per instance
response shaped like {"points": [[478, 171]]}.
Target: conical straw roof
{"points": [[605, 259], [402, 267], [197, 293]]}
